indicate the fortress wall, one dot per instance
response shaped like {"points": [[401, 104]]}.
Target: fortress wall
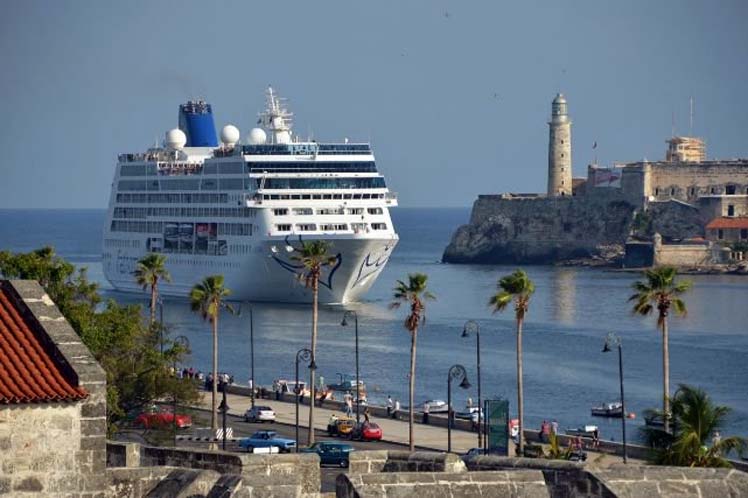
{"points": [[689, 181]]}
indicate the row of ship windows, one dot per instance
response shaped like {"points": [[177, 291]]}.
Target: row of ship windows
{"points": [[142, 212], [326, 211], [329, 227], [284, 197], [249, 184], [160, 226], [173, 198], [121, 244], [241, 168]]}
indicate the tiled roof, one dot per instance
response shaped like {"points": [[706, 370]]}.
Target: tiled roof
{"points": [[28, 373], [741, 222]]}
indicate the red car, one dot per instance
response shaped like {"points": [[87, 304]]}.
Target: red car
{"points": [[162, 417], [368, 431]]}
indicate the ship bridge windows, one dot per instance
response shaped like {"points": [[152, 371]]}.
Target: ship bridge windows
{"points": [[312, 167], [231, 168], [320, 183], [230, 183], [181, 184]]}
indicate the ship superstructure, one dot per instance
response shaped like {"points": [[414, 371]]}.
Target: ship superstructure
{"points": [[243, 209]]}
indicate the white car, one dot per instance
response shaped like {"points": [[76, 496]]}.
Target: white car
{"points": [[260, 414]]}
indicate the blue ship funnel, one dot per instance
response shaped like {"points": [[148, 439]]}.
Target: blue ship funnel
{"points": [[196, 121]]}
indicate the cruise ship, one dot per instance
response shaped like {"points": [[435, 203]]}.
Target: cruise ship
{"points": [[243, 209]]}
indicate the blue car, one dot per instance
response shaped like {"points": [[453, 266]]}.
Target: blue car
{"points": [[331, 453], [267, 439]]}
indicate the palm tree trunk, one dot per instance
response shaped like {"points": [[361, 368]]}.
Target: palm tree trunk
{"points": [[315, 297], [412, 388], [154, 292], [665, 376], [214, 407], [520, 395]]}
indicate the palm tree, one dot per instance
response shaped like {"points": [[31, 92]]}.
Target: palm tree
{"points": [[697, 419], [413, 293], [207, 298], [152, 268], [519, 288], [313, 256], [661, 291]]}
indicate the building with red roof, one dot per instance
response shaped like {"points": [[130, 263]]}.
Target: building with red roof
{"points": [[728, 229], [52, 400]]}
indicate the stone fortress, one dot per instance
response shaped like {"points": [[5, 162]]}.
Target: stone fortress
{"points": [[685, 210]]}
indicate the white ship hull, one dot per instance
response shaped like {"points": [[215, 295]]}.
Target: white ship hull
{"points": [[268, 273]]}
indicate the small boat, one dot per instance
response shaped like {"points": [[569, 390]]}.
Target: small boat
{"points": [[614, 409], [583, 431], [654, 419], [434, 406]]}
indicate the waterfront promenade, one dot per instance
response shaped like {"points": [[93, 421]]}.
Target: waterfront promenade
{"points": [[427, 437]]}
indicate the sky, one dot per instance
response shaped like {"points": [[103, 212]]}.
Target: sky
{"points": [[453, 95]]}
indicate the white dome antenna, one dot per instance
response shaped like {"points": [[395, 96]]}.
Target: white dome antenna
{"points": [[175, 139], [257, 136], [230, 135]]}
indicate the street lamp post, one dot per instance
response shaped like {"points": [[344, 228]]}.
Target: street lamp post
{"points": [[615, 341], [358, 380], [455, 372], [472, 326], [304, 354], [182, 343], [223, 408], [252, 353]]}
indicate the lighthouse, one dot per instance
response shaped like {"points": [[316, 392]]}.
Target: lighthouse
{"points": [[559, 149]]}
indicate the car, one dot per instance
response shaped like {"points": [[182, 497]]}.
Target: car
{"points": [[434, 406], [368, 431], [267, 439], [473, 452], [331, 453], [162, 417], [345, 426], [259, 414]]}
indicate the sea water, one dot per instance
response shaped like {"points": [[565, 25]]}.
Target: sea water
{"points": [[572, 310]]}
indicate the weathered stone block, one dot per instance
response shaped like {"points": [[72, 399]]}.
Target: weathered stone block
{"points": [[93, 427], [29, 484]]}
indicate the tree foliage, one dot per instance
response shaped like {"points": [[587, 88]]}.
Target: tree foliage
{"points": [[696, 419], [119, 339]]}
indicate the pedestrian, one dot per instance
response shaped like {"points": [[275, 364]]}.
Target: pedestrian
{"points": [[366, 415], [545, 430], [348, 404], [716, 439], [470, 405], [389, 406], [595, 438], [426, 410], [397, 408], [554, 427]]}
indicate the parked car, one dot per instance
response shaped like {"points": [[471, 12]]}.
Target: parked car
{"points": [[367, 431], [345, 426], [331, 453], [267, 439], [259, 414], [162, 417], [434, 406]]}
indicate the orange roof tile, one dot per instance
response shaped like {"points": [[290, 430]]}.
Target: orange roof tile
{"points": [[741, 222], [28, 372]]}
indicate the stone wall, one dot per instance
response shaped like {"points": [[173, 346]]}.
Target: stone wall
{"points": [[689, 181], [540, 229], [527, 483], [292, 470], [55, 449], [672, 482], [367, 462]]}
